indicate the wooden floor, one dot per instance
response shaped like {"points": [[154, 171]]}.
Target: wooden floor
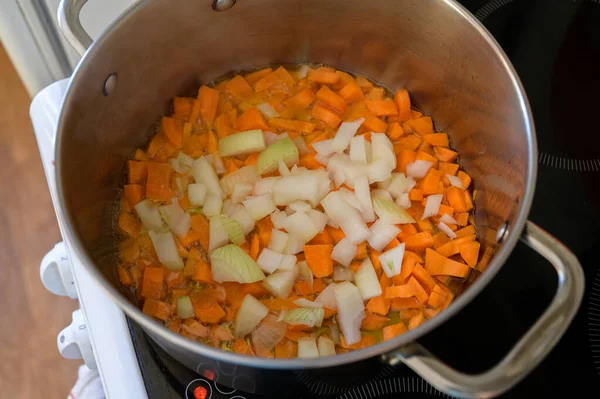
{"points": [[30, 317]]}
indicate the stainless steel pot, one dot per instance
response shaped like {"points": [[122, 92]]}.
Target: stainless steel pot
{"points": [[451, 65]]}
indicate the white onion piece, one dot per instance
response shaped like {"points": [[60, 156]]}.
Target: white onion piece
{"points": [[278, 219], [391, 260], [212, 205], [384, 184], [411, 184], [243, 216], [278, 241], [381, 193], [448, 219], [403, 201], [241, 191], [183, 163], [338, 209], [382, 234], [281, 282], [232, 263], [185, 308], [346, 131], [270, 138], [301, 145], [300, 225], [183, 225], [390, 212], [268, 334], [197, 194], [432, 205], [267, 110], [343, 252], [379, 170], [341, 273], [292, 188], [383, 148], [366, 280], [327, 297], [362, 191], [305, 303], [302, 71], [319, 219], [351, 311], [246, 174], [294, 245], [283, 169], [269, 260], [350, 198], [217, 234], [203, 172], [360, 150], [182, 184], [166, 249], [288, 262], [455, 181], [281, 315], [307, 348], [172, 213], [265, 185], [418, 169], [217, 163], [310, 317], [398, 185], [326, 346], [322, 159], [300, 206], [446, 230], [149, 215], [260, 206], [343, 170], [249, 315], [305, 273], [356, 230], [323, 147]]}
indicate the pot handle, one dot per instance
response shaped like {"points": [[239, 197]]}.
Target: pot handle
{"points": [[70, 25], [531, 349]]}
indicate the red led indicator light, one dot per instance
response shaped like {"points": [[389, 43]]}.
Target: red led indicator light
{"points": [[200, 393], [209, 374]]}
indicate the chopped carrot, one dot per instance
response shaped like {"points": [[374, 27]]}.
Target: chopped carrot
{"points": [[302, 99], [394, 131], [309, 162], [445, 154], [337, 234], [222, 126], [436, 139], [404, 157], [251, 119], [436, 300], [448, 168], [405, 231], [264, 227], [280, 76], [399, 291], [286, 349], [326, 115], [376, 93], [469, 251], [202, 272], [137, 172], [421, 126], [278, 304], [437, 264], [158, 187], [351, 92], [251, 160], [323, 76], [465, 178], [365, 342], [419, 241], [254, 247], [134, 193], [322, 238], [173, 131], [379, 305], [208, 100], [429, 184], [157, 309], [467, 231], [200, 225], [124, 277], [373, 124], [444, 209], [402, 100], [239, 87], [318, 258], [174, 279], [373, 322], [392, 331], [425, 225], [152, 283], [416, 321], [331, 99], [405, 303], [410, 142], [207, 308], [421, 155], [303, 288], [456, 199], [419, 292], [288, 124], [382, 107], [255, 289], [375, 259], [452, 247], [296, 335], [255, 76], [182, 107], [129, 225]]}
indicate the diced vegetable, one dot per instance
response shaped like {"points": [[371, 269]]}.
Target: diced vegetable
{"points": [[281, 282], [204, 173], [383, 148], [381, 234], [246, 174], [403, 201], [351, 311], [391, 213], [197, 194], [356, 230], [307, 348], [343, 252], [300, 225], [284, 150], [455, 181], [288, 262], [363, 194], [268, 334], [231, 263], [446, 230], [242, 215], [175, 217], [326, 346], [418, 169], [300, 206], [323, 148], [432, 205], [366, 281], [398, 185], [294, 245], [327, 297], [241, 191], [360, 150], [166, 249], [305, 316], [183, 163], [344, 135], [269, 260], [218, 235], [212, 205], [242, 143], [305, 273], [267, 110], [283, 169], [149, 215], [233, 228], [448, 219], [293, 188], [260, 206], [342, 273], [278, 219], [249, 315], [278, 241], [185, 309], [265, 185], [391, 260], [381, 193], [319, 219], [305, 303]]}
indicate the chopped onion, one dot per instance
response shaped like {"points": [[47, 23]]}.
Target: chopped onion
{"points": [[379, 170], [268, 334], [305, 303], [270, 138], [366, 280], [319, 219], [351, 311], [278, 241], [240, 192], [212, 205], [411, 184], [455, 181], [391, 213], [381, 193], [326, 346], [346, 131], [204, 173], [301, 144], [281, 315], [183, 225], [310, 317], [334, 331], [448, 219], [356, 230], [432, 205], [149, 215], [343, 170], [307, 348], [242, 143], [446, 230], [327, 297], [300, 206], [242, 215], [288, 262], [281, 282], [233, 228], [269, 260], [398, 185], [166, 249], [323, 147], [350, 198], [383, 148], [217, 234], [218, 165], [305, 273], [360, 150], [278, 219], [246, 174], [337, 209], [403, 201], [294, 245], [283, 149], [300, 225], [172, 213], [302, 72], [384, 184], [185, 309], [249, 315], [283, 169], [362, 191], [382, 234], [323, 160], [232, 263], [293, 188], [391, 260], [341, 273], [267, 110], [260, 206], [265, 185], [343, 252], [197, 194], [182, 184], [183, 163], [418, 169]]}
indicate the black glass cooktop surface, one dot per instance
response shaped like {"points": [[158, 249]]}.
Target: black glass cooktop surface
{"points": [[555, 47]]}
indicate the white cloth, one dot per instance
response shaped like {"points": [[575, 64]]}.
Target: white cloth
{"points": [[88, 385]]}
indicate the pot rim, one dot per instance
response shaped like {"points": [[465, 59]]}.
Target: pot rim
{"points": [[156, 329]]}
